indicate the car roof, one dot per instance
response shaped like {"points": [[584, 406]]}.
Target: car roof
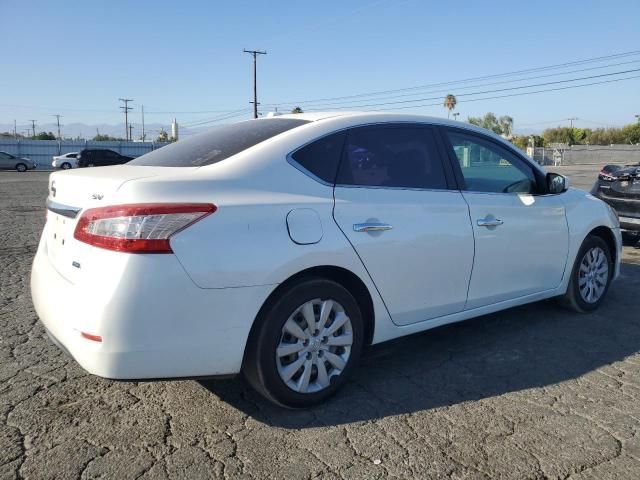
{"points": [[363, 117], [383, 117]]}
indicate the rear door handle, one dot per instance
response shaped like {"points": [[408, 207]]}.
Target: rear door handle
{"points": [[489, 222], [371, 227]]}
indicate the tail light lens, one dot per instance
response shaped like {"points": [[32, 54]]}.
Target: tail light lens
{"points": [[606, 176], [140, 227]]}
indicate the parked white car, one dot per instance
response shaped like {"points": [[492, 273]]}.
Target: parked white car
{"points": [[280, 247], [65, 161]]}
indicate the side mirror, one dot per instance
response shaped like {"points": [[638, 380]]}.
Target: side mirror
{"points": [[557, 183]]}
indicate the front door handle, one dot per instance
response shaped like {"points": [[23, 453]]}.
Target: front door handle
{"points": [[489, 222], [371, 227]]}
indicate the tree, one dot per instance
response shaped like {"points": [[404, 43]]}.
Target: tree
{"points": [[506, 125], [450, 103], [631, 133], [490, 122], [162, 137], [107, 138], [559, 135], [297, 110], [524, 141], [44, 136]]}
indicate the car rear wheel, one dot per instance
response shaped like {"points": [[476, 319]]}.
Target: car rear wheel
{"points": [[21, 167], [590, 277], [305, 345], [65, 166]]}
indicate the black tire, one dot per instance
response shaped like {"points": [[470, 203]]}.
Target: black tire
{"points": [[65, 166], [572, 299], [260, 365], [21, 167]]}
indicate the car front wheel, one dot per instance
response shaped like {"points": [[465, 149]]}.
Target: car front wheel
{"points": [[590, 277], [305, 344], [21, 167], [65, 166]]}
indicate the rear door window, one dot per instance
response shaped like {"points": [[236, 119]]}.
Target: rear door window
{"points": [[217, 144], [392, 156]]}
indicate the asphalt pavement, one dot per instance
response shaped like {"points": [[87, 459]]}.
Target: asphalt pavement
{"points": [[531, 392]]}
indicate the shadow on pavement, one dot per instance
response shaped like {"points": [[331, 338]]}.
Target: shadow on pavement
{"points": [[526, 347]]}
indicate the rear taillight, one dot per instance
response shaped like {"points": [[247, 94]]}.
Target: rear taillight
{"points": [[139, 227], [605, 176]]}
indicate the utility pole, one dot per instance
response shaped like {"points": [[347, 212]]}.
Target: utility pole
{"points": [[58, 120], [33, 126], [126, 109], [143, 134], [130, 132], [15, 133], [255, 53], [571, 121]]}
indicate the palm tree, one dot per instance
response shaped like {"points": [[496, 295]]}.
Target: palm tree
{"points": [[450, 103]]}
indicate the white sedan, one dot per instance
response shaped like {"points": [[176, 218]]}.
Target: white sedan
{"points": [[280, 247], [65, 161]]}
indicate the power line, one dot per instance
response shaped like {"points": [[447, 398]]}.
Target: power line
{"points": [[467, 80], [520, 87], [481, 84], [234, 113], [126, 109], [255, 54], [513, 94]]}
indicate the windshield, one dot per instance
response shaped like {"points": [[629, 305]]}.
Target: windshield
{"points": [[217, 144]]}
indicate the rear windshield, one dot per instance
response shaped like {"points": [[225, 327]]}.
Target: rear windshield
{"points": [[217, 144]]}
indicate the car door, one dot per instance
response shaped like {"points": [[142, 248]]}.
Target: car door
{"points": [[521, 234], [396, 203]]}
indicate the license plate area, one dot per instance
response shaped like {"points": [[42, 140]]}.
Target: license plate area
{"points": [[59, 239]]}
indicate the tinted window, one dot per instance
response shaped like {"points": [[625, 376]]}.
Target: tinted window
{"points": [[487, 167], [392, 157], [217, 144], [72, 155], [322, 156]]}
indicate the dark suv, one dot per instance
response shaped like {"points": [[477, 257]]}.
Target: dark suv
{"points": [[620, 187], [95, 157]]}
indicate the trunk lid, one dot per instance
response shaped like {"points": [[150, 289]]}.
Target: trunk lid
{"points": [[71, 192], [626, 183]]}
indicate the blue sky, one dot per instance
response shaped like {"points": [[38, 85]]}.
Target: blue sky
{"points": [[76, 58]]}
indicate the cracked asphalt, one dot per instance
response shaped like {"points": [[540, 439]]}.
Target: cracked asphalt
{"points": [[532, 392]]}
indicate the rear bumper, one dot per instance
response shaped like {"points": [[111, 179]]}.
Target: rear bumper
{"points": [[630, 223], [628, 210], [153, 324]]}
